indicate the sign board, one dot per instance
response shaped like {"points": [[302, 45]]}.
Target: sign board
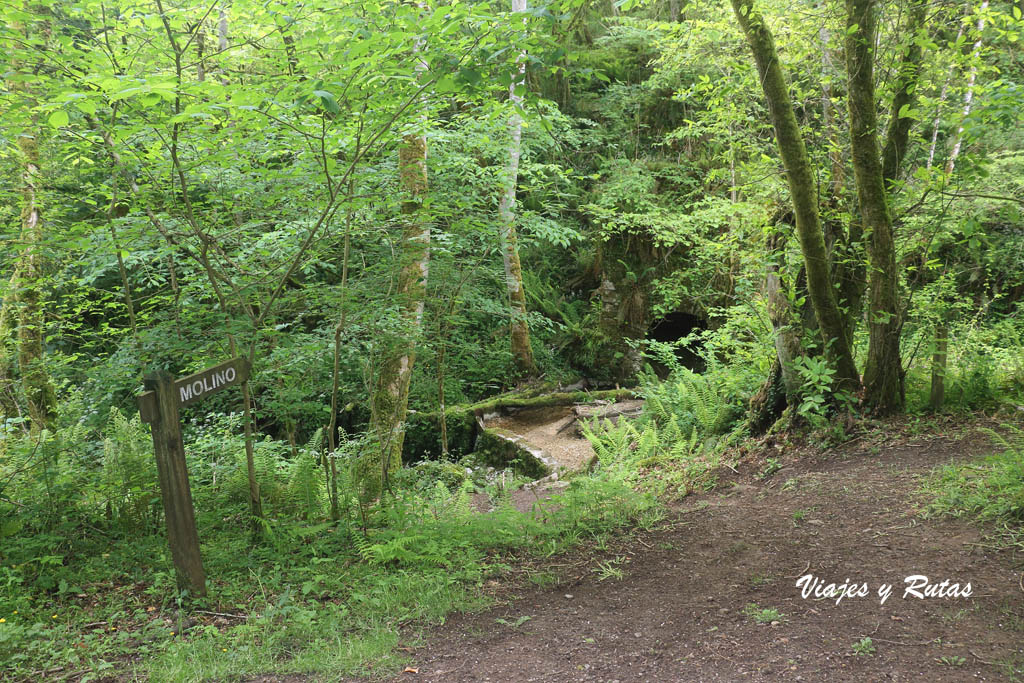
{"points": [[159, 407], [198, 386]]}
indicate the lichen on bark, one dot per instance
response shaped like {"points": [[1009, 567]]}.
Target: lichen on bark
{"points": [[883, 374], [802, 191]]}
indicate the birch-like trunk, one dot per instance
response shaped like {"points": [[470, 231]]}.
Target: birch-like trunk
{"points": [[222, 41], [937, 395], [972, 77], [518, 326], [883, 373], [802, 190]]}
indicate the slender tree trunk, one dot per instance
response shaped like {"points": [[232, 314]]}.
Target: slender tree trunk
{"points": [[522, 353], [801, 187], [339, 329], [897, 133], [201, 53], [940, 356], [8, 332], [835, 152], [390, 400], [883, 382], [972, 76], [784, 323], [938, 390], [938, 107], [222, 41], [845, 248], [122, 270], [39, 393]]}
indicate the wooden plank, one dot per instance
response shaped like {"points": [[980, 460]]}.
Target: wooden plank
{"points": [[197, 386]]}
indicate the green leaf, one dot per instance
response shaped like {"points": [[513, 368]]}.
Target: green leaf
{"points": [[87, 106], [328, 100], [58, 118], [446, 84]]}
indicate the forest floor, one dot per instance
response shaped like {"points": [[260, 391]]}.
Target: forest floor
{"points": [[712, 595]]}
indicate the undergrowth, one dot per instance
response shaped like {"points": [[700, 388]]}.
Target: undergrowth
{"points": [[87, 588], [676, 444], [990, 490]]}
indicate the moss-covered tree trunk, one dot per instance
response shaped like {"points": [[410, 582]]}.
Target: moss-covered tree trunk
{"points": [[784, 325], [802, 190], [39, 394], [390, 400], [8, 330], [897, 133], [883, 373], [28, 272], [522, 353]]}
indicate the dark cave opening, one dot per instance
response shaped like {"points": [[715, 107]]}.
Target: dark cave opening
{"points": [[672, 328]]}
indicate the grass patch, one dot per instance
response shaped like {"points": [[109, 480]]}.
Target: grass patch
{"points": [[762, 615], [310, 598], [990, 490]]}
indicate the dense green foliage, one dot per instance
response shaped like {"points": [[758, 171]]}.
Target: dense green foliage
{"points": [[223, 180]]}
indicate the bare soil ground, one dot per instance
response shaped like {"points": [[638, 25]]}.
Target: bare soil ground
{"points": [[686, 605]]}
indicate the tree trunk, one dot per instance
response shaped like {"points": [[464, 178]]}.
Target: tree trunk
{"points": [[787, 335], [28, 271], [883, 381], [897, 133], [519, 328], [39, 394], [222, 41], [8, 331], [802, 190], [390, 401], [938, 388], [972, 76], [938, 391]]}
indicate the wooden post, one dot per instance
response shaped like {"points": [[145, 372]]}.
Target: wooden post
{"points": [[938, 393], [173, 474], [159, 407]]}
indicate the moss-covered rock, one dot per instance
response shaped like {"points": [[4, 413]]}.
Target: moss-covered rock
{"points": [[423, 430], [500, 449], [423, 434]]}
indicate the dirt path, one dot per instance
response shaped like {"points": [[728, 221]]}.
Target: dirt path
{"points": [[684, 608]]}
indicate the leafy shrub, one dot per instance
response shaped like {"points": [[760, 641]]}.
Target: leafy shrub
{"points": [[424, 475]]}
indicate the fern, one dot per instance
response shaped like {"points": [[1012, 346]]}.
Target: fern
{"points": [[306, 491], [128, 485]]}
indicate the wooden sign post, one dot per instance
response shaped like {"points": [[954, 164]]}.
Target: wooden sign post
{"points": [[159, 407]]}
